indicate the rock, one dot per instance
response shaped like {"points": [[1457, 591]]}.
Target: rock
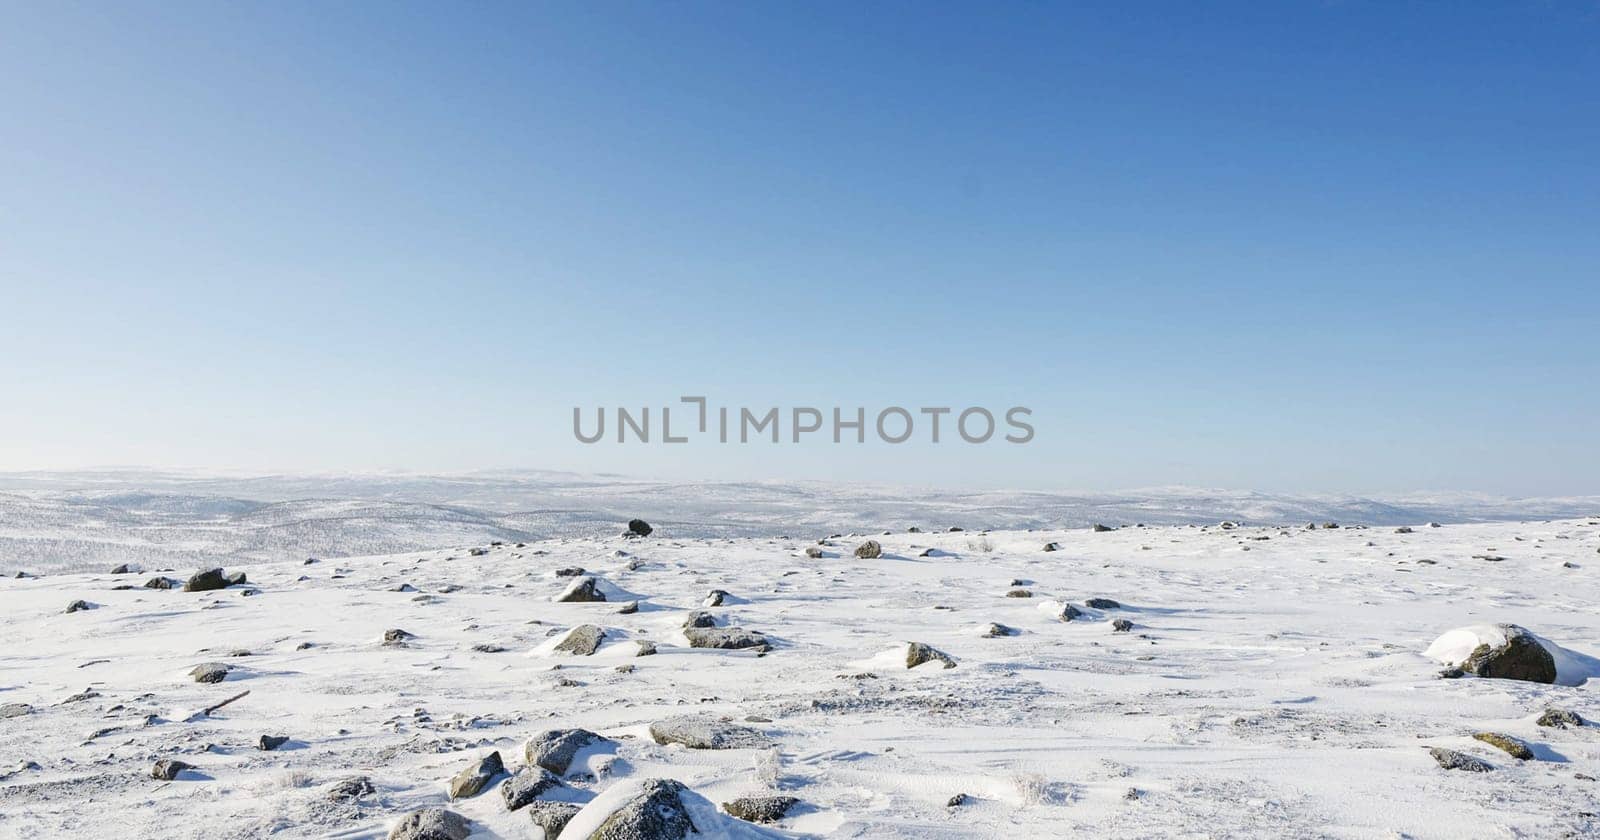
{"points": [[554, 749], [699, 618], [1452, 673], [628, 608], [1102, 604], [1122, 625], [646, 648], [78, 606], [714, 598], [268, 743], [1519, 657], [206, 581], [918, 653], [168, 769], [994, 631], [1453, 760], [489, 647], [760, 809], [396, 637], [638, 528], [122, 569], [1019, 593], [869, 550], [725, 638], [478, 552], [582, 640], [813, 552], [570, 571], [159, 582], [957, 801], [1100, 529], [1061, 612], [210, 672], [474, 778], [657, 813], [552, 817], [582, 590], [528, 784], [929, 552], [237, 579], [1514, 747], [12, 710], [1560, 719], [704, 733], [1052, 546], [1403, 529], [431, 824], [350, 789]]}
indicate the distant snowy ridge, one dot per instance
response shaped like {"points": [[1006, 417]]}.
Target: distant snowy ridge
{"points": [[93, 519]]}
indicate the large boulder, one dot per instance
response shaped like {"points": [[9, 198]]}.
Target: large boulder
{"points": [[554, 749], [657, 813], [205, 581], [704, 733], [431, 824], [638, 528], [1502, 651]]}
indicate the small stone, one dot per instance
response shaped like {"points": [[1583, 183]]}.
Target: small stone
{"points": [[869, 550], [725, 638], [210, 672], [957, 801], [582, 590], [1100, 529], [159, 582], [813, 552], [714, 598], [1514, 747], [1454, 760], [396, 637], [1019, 593], [1052, 546], [352, 788], [1560, 719], [1102, 604], [570, 571], [78, 606], [638, 528], [1121, 625], [918, 653], [760, 809], [269, 743], [994, 631], [167, 769]]}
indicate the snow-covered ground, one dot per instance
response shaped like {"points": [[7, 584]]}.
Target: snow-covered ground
{"points": [[1273, 683]]}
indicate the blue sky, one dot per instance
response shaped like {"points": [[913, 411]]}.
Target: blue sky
{"points": [[1342, 247]]}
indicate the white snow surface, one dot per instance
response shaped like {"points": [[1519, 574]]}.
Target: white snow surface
{"points": [[1277, 682]]}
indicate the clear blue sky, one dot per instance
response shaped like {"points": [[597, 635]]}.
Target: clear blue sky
{"points": [[1336, 246]]}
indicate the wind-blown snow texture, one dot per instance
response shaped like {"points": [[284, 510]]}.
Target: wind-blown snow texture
{"points": [[88, 520], [1273, 683]]}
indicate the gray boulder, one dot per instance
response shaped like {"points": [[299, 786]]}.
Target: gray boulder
{"points": [[168, 769], [206, 581], [725, 638], [657, 813], [1102, 604], [638, 528], [431, 824], [1454, 760], [1560, 719], [159, 582], [869, 550], [554, 749], [79, 606], [699, 618], [475, 777], [582, 640], [350, 789], [552, 817], [582, 590], [527, 785], [210, 672]]}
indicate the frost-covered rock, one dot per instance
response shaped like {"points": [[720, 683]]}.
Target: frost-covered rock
{"points": [[918, 653], [527, 785], [552, 817], [210, 672], [431, 824], [554, 749], [1514, 747], [1102, 604], [760, 809], [714, 598], [582, 640], [1456, 760], [869, 550], [1559, 719], [699, 618], [726, 638], [168, 769], [705, 733], [657, 813]]}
